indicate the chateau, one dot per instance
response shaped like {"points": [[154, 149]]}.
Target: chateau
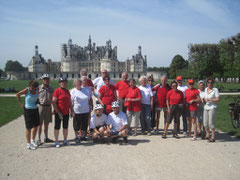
{"points": [[91, 57]]}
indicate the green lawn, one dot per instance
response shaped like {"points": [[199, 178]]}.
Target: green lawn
{"points": [[21, 84], [10, 109]]}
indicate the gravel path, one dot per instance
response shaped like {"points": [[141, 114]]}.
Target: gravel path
{"points": [[145, 157]]}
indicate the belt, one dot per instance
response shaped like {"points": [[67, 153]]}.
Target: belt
{"points": [[45, 104]]}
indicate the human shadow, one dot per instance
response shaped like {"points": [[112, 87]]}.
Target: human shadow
{"points": [[225, 137]]}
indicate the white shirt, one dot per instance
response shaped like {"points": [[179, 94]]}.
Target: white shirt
{"points": [[211, 95], [80, 101], [202, 95], [88, 91], [117, 120], [182, 88], [146, 93], [98, 121], [98, 82]]}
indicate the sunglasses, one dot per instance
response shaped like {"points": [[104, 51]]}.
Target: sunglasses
{"points": [[104, 72], [210, 82], [174, 85], [150, 80], [106, 79], [191, 84]]}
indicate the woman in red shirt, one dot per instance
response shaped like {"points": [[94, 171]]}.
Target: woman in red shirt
{"points": [[192, 98], [106, 95], [133, 105], [62, 103], [175, 99]]}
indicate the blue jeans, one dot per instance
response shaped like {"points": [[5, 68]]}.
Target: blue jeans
{"points": [[145, 117]]}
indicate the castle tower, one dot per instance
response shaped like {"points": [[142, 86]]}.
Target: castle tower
{"points": [[139, 50], [36, 50], [89, 42]]}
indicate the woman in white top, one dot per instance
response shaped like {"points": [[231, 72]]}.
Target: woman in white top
{"points": [[147, 105], [210, 108], [80, 102]]}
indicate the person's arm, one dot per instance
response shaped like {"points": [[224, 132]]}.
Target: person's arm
{"points": [[100, 99], [151, 102], [96, 131], [24, 91], [168, 106], [123, 127], [115, 96]]}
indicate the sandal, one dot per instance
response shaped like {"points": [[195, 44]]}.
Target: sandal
{"points": [[211, 140], [164, 136]]}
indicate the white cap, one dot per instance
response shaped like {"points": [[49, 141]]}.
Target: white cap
{"points": [[115, 104], [98, 106], [45, 76], [201, 81]]}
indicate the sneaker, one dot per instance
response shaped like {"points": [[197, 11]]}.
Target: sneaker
{"points": [[47, 140], [31, 147], [155, 132], [135, 133], [77, 140], [185, 134], [149, 133], [39, 142], [193, 139], [57, 145], [34, 144], [143, 133], [125, 140], [66, 143], [176, 136]]}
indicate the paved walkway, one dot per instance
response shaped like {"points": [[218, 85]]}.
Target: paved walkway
{"points": [[145, 157]]}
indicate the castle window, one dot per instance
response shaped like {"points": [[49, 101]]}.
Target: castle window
{"points": [[66, 75], [89, 76], [72, 75], [114, 75], [60, 75], [55, 76], [36, 76], [78, 75], [120, 75], [139, 75], [132, 75], [96, 75]]}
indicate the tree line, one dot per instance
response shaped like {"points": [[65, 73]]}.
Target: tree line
{"points": [[220, 60]]}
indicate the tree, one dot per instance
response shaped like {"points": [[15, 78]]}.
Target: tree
{"points": [[1, 73], [178, 63], [13, 66]]}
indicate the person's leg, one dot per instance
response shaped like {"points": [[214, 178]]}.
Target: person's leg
{"points": [[148, 118], [189, 126], [194, 127], [40, 130], [34, 132], [57, 127], [142, 118], [205, 122], [184, 119], [212, 114], [165, 117], [47, 120], [28, 135], [153, 116], [65, 127], [158, 117], [129, 117], [46, 124]]}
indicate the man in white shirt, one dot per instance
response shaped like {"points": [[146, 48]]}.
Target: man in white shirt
{"points": [[119, 122], [98, 123], [182, 88], [98, 82]]}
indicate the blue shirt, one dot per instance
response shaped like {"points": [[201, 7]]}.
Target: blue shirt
{"points": [[31, 100]]}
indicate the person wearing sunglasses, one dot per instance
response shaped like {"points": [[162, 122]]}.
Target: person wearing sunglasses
{"points": [[210, 108], [192, 98], [31, 114], [106, 95], [175, 100]]}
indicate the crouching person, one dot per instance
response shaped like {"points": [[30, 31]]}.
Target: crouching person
{"points": [[98, 124], [119, 123]]}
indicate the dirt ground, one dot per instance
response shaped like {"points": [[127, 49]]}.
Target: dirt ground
{"points": [[145, 157]]}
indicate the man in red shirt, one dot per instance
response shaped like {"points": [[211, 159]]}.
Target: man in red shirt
{"points": [[175, 99], [161, 91], [122, 89], [192, 98]]}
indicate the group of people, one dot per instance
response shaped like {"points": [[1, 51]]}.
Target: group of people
{"points": [[119, 109]]}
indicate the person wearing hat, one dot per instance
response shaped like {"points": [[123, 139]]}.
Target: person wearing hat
{"points": [[119, 122], [98, 123], [31, 114], [192, 98], [62, 103], [45, 109], [201, 130], [182, 88]]}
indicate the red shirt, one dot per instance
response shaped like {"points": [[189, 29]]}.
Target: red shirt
{"points": [[175, 97], [89, 83], [63, 100], [191, 94], [134, 106], [122, 87], [107, 94], [161, 95]]}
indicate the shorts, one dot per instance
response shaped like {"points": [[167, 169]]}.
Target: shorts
{"points": [[31, 117], [209, 118], [175, 112], [80, 122], [58, 122], [117, 133], [191, 114], [45, 114], [161, 109], [200, 115], [133, 118]]}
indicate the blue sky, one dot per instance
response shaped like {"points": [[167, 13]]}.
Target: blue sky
{"points": [[163, 28]]}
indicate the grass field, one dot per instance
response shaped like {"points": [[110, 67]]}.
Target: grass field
{"points": [[10, 109]]}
